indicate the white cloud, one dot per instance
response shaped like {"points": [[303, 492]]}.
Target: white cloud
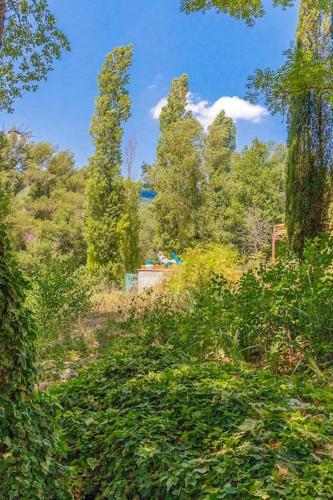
{"points": [[156, 110], [234, 107]]}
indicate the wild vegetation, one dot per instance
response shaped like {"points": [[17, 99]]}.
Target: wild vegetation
{"points": [[154, 422], [217, 383]]}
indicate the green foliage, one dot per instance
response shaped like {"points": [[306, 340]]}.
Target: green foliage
{"points": [[29, 438], [301, 73], [17, 329], [308, 66], [131, 232], [278, 314], [203, 262], [60, 291], [147, 230], [5, 184], [285, 309], [150, 422], [248, 10], [310, 139], [29, 43], [47, 196], [220, 144], [254, 197], [31, 449], [105, 190], [174, 109], [46, 224], [177, 172]]}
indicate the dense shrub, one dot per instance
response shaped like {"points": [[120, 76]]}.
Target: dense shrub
{"points": [[30, 450], [151, 422], [284, 310], [281, 314], [199, 264], [189, 321], [60, 290]]}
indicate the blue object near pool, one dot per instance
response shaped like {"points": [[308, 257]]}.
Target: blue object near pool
{"points": [[175, 257], [147, 195], [131, 281]]}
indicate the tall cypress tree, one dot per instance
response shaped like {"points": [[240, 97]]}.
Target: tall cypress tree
{"points": [[310, 136], [105, 189], [177, 172], [220, 144]]}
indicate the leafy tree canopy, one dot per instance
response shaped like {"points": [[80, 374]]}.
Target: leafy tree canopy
{"points": [[177, 171], [308, 67], [29, 43], [42, 198], [301, 72], [247, 10]]}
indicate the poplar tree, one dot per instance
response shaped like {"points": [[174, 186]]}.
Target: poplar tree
{"points": [[131, 229], [177, 172], [105, 196], [310, 137], [219, 146], [130, 239]]}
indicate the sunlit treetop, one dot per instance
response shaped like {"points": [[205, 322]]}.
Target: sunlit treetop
{"points": [[248, 10], [29, 43]]}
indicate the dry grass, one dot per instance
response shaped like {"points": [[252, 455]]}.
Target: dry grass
{"points": [[61, 356]]}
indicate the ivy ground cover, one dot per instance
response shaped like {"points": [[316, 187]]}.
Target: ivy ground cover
{"points": [[151, 422]]}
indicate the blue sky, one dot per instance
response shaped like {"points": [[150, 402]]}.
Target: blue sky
{"points": [[217, 52]]}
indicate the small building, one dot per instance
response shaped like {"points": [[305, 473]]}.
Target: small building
{"points": [[148, 277]]}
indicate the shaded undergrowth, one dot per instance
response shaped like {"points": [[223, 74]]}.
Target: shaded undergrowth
{"points": [[153, 422]]}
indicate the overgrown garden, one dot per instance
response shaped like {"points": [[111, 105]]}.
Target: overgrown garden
{"points": [[216, 384]]}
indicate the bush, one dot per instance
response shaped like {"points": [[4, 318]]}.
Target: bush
{"points": [[188, 321], [201, 263], [151, 422], [60, 290], [283, 312], [30, 450]]}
